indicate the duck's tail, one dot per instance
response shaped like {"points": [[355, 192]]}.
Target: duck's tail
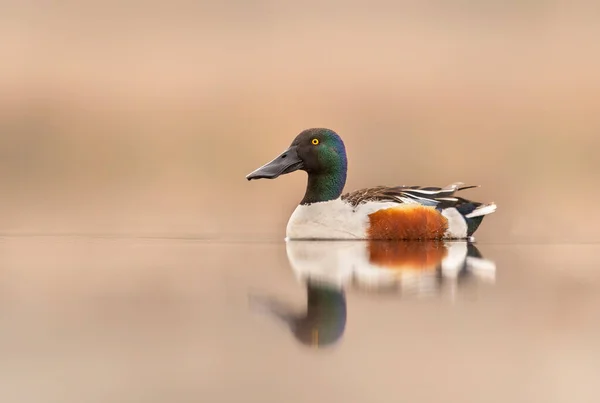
{"points": [[482, 210], [473, 213]]}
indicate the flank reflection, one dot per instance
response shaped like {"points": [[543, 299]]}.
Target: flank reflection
{"points": [[330, 268]]}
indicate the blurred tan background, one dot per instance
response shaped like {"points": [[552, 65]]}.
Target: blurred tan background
{"points": [[144, 117]]}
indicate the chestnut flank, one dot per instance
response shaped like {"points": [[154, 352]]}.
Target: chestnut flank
{"points": [[407, 223]]}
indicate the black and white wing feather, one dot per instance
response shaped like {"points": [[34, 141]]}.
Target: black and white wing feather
{"points": [[428, 196]]}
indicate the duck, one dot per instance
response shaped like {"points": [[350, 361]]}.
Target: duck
{"points": [[404, 212]]}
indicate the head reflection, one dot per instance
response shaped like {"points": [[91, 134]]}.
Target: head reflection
{"points": [[328, 268], [322, 322]]}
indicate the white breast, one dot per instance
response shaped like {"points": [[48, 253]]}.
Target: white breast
{"points": [[333, 219]]}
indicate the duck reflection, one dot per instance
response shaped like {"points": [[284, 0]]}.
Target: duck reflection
{"points": [[329, 268]]}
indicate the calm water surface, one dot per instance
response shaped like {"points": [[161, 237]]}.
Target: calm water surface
{"points": [[183, 320]]}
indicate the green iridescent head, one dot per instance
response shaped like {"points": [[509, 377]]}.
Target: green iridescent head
{"points": [[320, 153]]}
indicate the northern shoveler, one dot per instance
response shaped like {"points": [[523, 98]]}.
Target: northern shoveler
{"points": [[382, 212]]}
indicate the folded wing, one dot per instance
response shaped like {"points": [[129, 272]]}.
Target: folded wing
{"points": [[427, 196]]}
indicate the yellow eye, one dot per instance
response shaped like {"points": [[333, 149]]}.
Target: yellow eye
{"points": [[315, 141]]}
